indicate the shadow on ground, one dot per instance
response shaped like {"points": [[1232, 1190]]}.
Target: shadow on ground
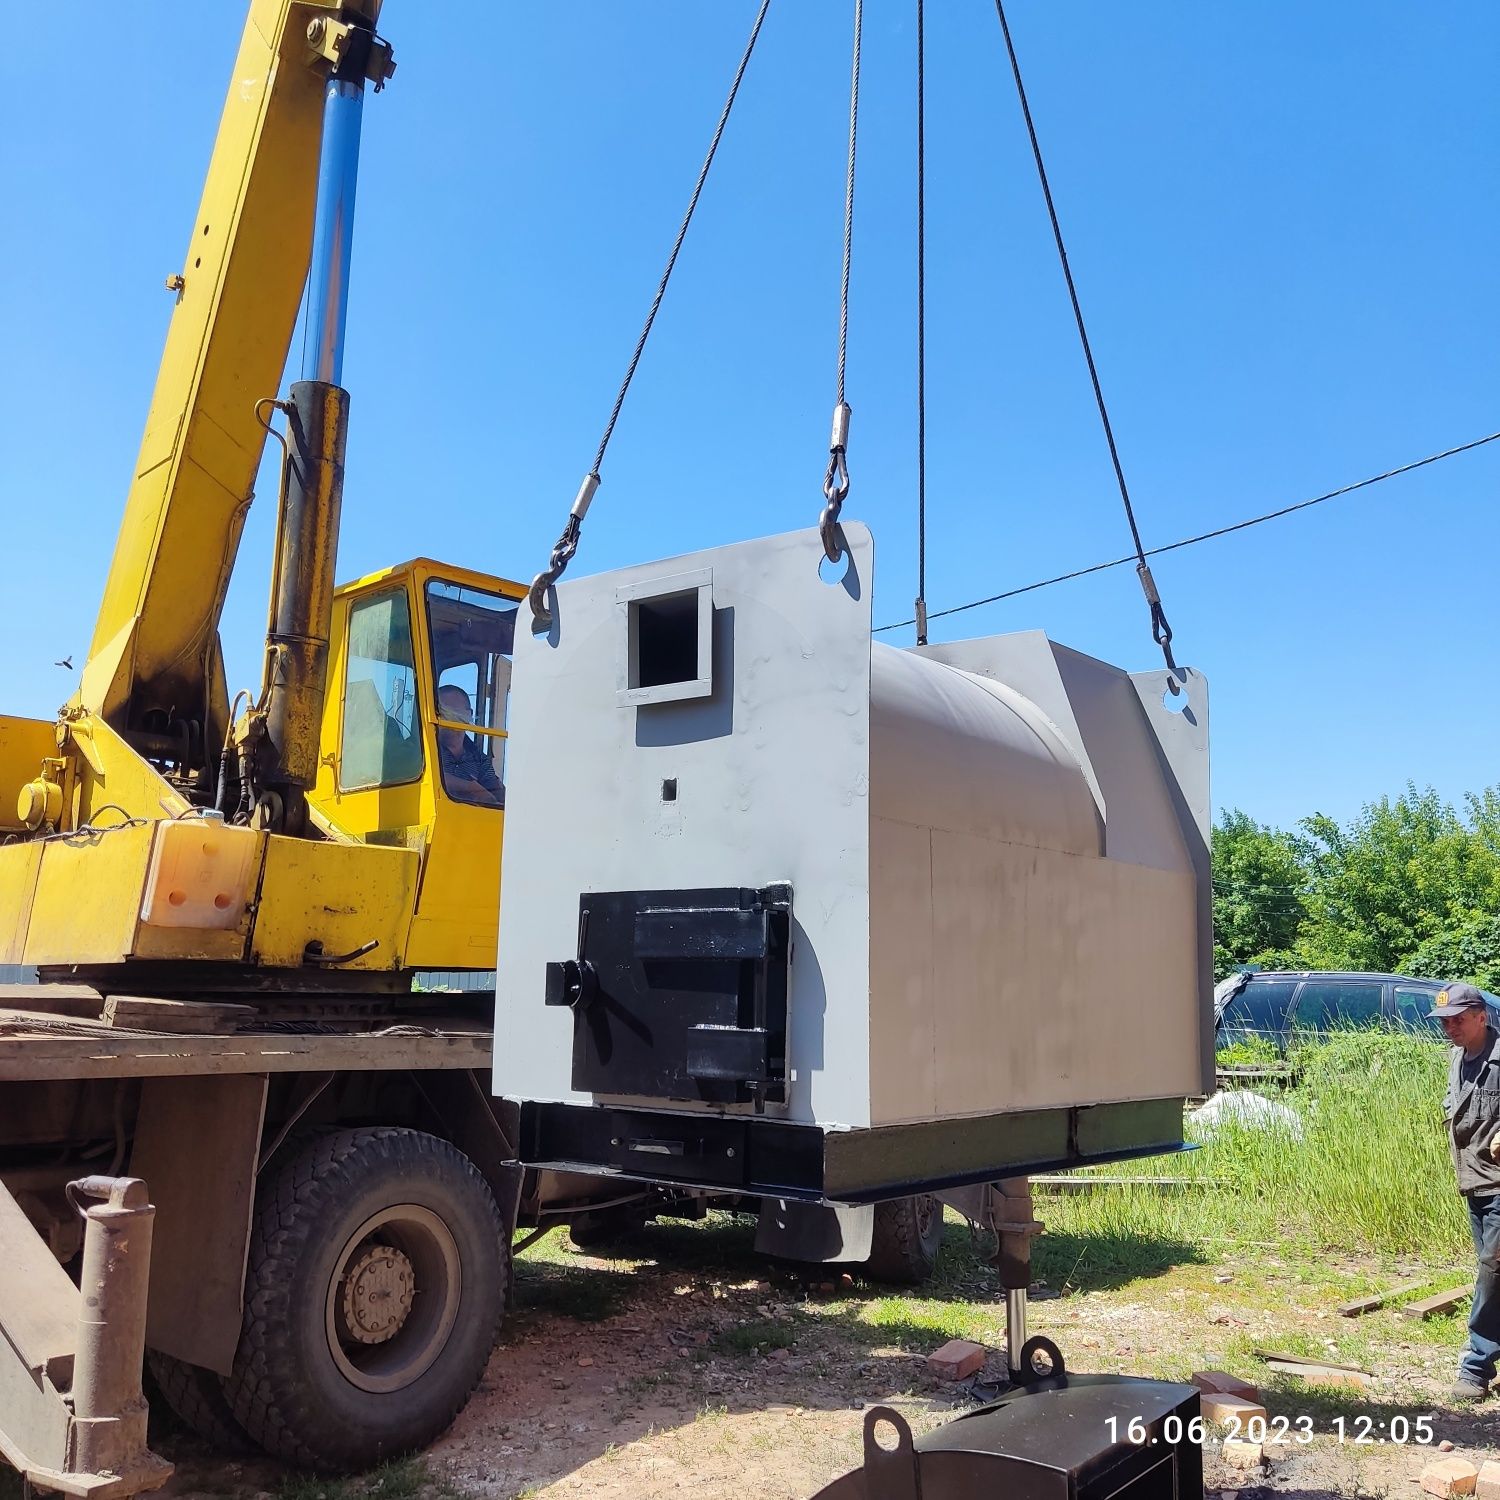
{"points": [[725, 1247]]}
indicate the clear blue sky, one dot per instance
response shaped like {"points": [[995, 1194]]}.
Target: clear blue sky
{"points": [[1283, 222]]}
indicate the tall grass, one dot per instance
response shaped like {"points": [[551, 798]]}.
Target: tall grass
{"points": [[1367, 1172]]}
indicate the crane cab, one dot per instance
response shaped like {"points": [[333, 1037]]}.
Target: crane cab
{"points": [[413, 742], [399, 868]]}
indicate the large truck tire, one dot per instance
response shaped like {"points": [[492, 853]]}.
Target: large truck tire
{"points": [[906, 1239], [379, 1272], [195, 1396]]}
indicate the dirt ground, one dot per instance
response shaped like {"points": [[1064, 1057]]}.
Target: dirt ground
{"points": [[686, 1365]]}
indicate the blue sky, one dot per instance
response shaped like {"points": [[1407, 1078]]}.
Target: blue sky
{"points": [[1282, 222]]}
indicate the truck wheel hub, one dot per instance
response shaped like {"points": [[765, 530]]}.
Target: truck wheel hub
{"points": [[378, 1292]]}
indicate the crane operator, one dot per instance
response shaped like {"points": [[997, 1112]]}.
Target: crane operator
{"points": [[468, 772]]}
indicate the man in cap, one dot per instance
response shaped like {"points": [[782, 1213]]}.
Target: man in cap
{"points": [[1472, 1109]]}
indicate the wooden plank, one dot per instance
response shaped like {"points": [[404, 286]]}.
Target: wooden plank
{"points": [[1322, 1374], [1294, 1361], [103, 1055], [53, 999], [1439, 1302], [145, 1013], [1376, 1300]]}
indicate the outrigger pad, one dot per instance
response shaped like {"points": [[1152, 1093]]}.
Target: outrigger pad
{"points": [[1078, 1437]]}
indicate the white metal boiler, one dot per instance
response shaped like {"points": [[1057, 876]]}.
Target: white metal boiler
{"points": [[792, 912]]}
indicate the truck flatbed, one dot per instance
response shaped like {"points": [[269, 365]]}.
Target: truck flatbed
{"points": [[49, 1032]]}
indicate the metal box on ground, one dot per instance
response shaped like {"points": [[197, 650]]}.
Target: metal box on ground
{"points": [[793, 912], [1087, 1437]]}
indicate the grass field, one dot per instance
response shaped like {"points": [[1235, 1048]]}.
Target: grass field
{"points": [[1366, 1173]]}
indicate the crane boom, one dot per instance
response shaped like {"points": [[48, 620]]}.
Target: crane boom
{"points": [[155, 658]]}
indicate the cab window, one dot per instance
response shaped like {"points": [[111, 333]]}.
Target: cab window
{"points": [[380, 745], [473, 636]]}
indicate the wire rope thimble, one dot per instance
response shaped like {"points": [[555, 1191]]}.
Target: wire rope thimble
{"points": [[835, 484], [1161, 631], [562, 552]]}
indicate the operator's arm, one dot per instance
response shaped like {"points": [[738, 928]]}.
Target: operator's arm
{"points": [[470, 777], [488, 779]]}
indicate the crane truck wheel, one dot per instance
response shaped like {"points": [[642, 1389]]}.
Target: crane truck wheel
{"points": [[907, 1236], [378, 1275], [196, 1398]]}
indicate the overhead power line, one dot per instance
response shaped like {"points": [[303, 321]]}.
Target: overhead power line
{"points": [[1205, 536]]}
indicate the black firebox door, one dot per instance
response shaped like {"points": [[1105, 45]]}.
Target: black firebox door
{"points": [[679, 994]]}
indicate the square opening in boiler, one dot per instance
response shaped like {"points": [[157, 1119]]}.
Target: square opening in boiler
{"points": [[669, 642]]}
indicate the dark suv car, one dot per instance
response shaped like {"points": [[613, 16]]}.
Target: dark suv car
{"points": [[1274, 1005]]}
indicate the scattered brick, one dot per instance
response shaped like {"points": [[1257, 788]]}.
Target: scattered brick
{"points": [[1221, 1409], [1239, 1454], [1488, 1487], [1445, 1477], [957, 1359], [1219, 1382]]}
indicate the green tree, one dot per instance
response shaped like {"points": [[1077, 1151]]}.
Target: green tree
{"points": [[1468, 950], [1260, 891], [1405, 873]]}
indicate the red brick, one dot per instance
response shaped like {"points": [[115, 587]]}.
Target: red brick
{"points": [[1488, 1487], [957, 1359], [1219, 1383], [1239, 1454], [1223, 1409], [1445, 1477]]}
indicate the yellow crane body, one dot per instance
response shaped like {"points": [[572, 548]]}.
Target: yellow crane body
{"points": [[405, 870], [120, 848]]}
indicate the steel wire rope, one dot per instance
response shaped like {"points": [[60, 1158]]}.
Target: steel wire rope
{"points": [[1161, 631], [567, 543], [836, 478], [1202, 536], [921, 604]]}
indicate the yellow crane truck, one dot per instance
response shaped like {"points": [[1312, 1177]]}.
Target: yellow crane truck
{"points": [[279, 1162]]}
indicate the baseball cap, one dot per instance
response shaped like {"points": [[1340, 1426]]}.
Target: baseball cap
{"points": [[1455, 1000]]}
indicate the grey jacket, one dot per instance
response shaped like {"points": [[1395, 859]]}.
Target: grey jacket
{"points": [[1472, 1111]]}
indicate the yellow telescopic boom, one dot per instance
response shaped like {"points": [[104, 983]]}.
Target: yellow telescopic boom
{"points": [[155, 663]]}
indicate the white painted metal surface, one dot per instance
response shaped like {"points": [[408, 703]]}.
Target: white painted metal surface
{"points": [[997, 848]]}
